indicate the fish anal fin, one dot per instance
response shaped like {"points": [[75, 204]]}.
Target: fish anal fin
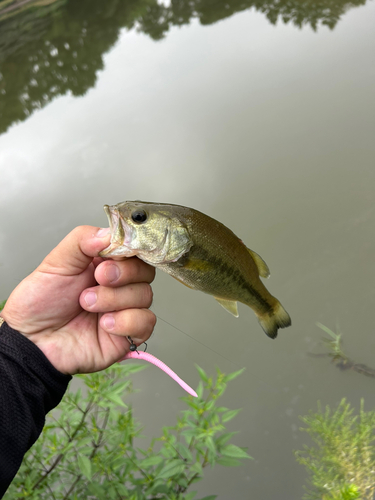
{"points": [[264, 272], [229, 305]]}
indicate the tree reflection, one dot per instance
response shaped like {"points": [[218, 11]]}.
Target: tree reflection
{"points": [[52, 47]]}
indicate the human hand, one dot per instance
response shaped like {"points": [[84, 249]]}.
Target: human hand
{"points": [[51, 306]]}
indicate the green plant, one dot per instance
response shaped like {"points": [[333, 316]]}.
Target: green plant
{"points": [[2, 304], [339, 357], [334, 344], [87, 448], [342, 464]]}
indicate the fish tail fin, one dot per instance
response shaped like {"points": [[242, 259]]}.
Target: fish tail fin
{"points": [[274, 319]]}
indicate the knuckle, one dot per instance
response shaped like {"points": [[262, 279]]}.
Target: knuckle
{"points": [[141, 321], [107, 297], [147, 294], [152, 319], [112, 296], [152, 272], [141, 270], [78, 230]]}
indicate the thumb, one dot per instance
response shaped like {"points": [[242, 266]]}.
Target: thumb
{"points": [[76, 251]]}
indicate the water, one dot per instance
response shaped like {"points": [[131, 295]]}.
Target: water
{"points": [[266, 127]]}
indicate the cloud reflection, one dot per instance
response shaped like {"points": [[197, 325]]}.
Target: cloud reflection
{"points": [[56, 49]]}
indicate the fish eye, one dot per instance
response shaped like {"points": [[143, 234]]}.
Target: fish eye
{"points": [[139, 216]]}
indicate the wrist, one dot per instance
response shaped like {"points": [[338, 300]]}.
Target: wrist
{"points": [[24, 352], [41, 346]]}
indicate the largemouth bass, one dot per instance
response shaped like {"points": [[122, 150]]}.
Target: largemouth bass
{"points": [[198, 251]]}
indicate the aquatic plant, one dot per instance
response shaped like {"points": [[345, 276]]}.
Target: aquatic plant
{"points": [[89, 445], [339, 357], [341, 465]]}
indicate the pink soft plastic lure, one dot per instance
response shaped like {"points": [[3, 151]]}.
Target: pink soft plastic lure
{"points": [[155, 361]]}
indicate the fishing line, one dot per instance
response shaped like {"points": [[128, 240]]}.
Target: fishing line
{"points": [[218, 353], [199, 342]]}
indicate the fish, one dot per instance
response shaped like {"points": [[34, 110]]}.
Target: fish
{"points": [[197, 250]]}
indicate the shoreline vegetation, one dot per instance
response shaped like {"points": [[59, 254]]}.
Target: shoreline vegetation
{"points": [[91, 448], [341, 464], [89, 440]]}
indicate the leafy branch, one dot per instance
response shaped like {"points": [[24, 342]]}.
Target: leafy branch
{"points": [[87, 447]]}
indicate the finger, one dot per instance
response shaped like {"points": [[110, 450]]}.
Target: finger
{"points": [[76, 251], [105, 299], [97, 260], [124, 272], [137, 323]]}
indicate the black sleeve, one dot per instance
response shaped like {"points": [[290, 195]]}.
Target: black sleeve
{"points": [[29, 388]]}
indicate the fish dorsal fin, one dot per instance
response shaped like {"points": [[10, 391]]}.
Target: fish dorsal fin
{"points": [[229, 305], [264, 272]]}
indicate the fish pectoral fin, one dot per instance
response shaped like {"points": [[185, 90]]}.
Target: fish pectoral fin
{"points": [[197, 265], [264, 272], [229, 305]]}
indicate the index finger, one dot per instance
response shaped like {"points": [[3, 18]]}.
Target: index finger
{"points": [[124, 272], [76, 251]]}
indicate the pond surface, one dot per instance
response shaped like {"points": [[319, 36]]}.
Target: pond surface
{"points": [[258, 113]]}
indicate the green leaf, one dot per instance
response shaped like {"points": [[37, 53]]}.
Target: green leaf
{"points": [[84, 465], [224, 438], [120, 387], [2, 304], [200, 389], [191, 495], [209, 405], [172, 468], [189, 433], [149, 461], [203, 375], [196, 468], [328, 330], [221, 409], [228, 462], [233, 375], [184, 452], [115, 398], [158, 487], [231, 450], [229, 415], [210, 497], [129, 368], [167, 452]]}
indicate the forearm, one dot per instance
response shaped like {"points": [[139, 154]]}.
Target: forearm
{"points": [[29, 388]]}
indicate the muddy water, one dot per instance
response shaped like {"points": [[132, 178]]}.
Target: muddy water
{"points": [[268, 128]]}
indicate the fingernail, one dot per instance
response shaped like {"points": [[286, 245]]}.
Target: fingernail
{"points": [[112, 273], [90, 298], [103, 232], [109, 321]]}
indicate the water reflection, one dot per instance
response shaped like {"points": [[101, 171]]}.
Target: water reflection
{"points": [[51, 49]]}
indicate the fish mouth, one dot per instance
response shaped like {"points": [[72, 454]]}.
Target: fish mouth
{"points": [[120, 235]]}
